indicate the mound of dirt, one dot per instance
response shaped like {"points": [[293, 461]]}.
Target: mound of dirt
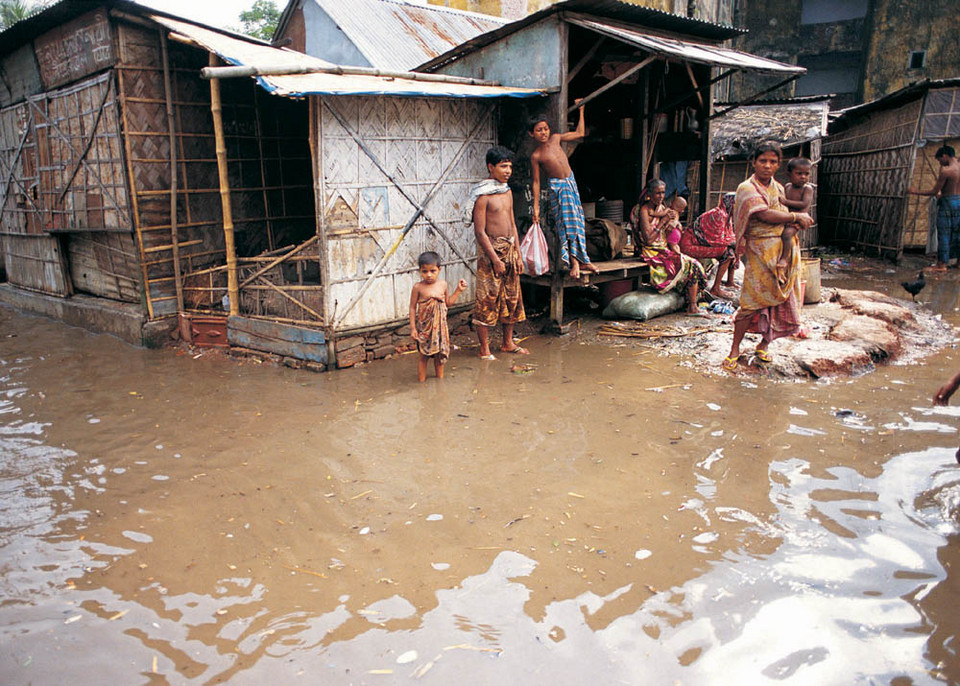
{"points": [[849, 334]]}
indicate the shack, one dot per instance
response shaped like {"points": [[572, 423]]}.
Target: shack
{"points": [[873, 154], [797, 124], [281, 213], [646, 78], [394, 35]]}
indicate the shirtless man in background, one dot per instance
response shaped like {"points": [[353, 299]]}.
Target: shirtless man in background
{"points": [[948, 208]]}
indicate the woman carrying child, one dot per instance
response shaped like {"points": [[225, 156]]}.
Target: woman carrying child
{"points": [[669, 268], [769, 305]]}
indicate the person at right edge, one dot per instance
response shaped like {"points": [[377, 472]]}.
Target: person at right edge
{"points": [[947, 188]]}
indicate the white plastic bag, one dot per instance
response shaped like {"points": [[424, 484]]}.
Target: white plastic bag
{"points": [[533, 250]]}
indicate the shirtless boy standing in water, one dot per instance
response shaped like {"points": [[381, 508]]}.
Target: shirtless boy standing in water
{"points": [[564, 195], [499, 264], [948, 207]]}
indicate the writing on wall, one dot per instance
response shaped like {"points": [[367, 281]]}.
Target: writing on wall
{"points": [[75, 49]]}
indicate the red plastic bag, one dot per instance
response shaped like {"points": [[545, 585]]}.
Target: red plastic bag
{"points": [[533, 250]]}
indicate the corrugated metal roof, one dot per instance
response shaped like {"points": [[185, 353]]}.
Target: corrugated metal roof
{"points": [[237, 51], [398, 35], [637, 15], [700, 53]]}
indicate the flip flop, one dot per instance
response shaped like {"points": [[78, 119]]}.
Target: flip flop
{"points": [[729, 364], [516, 351], [763, 355], [487, 357]]}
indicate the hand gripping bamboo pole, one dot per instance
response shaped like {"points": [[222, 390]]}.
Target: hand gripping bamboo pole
{"points": [[216, 109]]}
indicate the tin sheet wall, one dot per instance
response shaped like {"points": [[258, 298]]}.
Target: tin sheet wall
{"points": [[379, 158]]}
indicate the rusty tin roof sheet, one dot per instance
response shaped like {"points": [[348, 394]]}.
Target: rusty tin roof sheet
{"points": [[399, 35]]}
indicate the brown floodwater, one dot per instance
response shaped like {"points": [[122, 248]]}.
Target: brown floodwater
{"points": [[609, 517]]}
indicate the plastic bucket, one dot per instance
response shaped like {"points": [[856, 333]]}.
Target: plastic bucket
{"points": [[612, 289], [810, 272]]}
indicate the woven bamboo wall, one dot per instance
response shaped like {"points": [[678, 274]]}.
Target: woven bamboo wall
{"points": [[104, 264], [864, 176], [65, 175], [82, 180], [268, 169], [19, 212], [379, 156]]}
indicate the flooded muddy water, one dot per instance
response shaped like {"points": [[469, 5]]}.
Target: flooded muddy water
{"points": [[606, 517]]}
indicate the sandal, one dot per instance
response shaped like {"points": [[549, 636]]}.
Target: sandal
{"points": [[516, 350], [729, 364], [763, 355]]}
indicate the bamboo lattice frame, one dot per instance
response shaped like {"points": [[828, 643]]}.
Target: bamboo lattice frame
{"points": [[865, 173], [268, 163]]}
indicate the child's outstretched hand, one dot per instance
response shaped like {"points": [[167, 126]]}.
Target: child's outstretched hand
{"points": [[462, 285], [948, 389], [414, 334]]}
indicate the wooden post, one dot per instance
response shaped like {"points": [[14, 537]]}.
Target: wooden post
{"points": [[174, 237], [233, 291], [705, 116]]}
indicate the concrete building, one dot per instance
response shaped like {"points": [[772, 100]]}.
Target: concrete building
{"points": [[857, 50]]}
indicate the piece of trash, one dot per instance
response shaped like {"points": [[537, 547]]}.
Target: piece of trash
{"points": [[798, 411], [642, 554], [434, 517], [713, 406], [364, 531], [118, 615], [407, 657], [380, 671], [440, 566], [522, 368], [574, 495], [844, 413], [423, 670], [515, 520], [71, 620]]}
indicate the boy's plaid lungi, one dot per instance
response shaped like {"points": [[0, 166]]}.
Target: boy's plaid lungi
{"points": [[568, 211]]}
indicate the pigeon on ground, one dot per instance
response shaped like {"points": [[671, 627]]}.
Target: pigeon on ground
{"points": [[914, 287]]}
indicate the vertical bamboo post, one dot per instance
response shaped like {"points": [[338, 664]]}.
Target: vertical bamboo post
{"points": [[174, 238], [216, 109]]}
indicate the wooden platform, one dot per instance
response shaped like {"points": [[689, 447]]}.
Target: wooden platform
{"points": [[612, 270]]}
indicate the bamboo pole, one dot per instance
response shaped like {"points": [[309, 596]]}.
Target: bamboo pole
{"points": [[174, 236], [216, 109]]}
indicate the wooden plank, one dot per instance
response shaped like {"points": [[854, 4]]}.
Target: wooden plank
{"points": [[277, 338]]}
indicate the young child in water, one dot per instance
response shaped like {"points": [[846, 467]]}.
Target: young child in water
{"points": [[799, 197], [429, 301]]}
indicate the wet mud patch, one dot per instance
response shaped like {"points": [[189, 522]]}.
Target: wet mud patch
{"points": [[851, 333]]}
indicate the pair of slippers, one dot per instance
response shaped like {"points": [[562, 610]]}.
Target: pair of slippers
{"points": [[729, 364]]}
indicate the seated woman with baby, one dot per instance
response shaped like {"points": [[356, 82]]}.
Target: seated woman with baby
{"points": [[656, 232]]}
